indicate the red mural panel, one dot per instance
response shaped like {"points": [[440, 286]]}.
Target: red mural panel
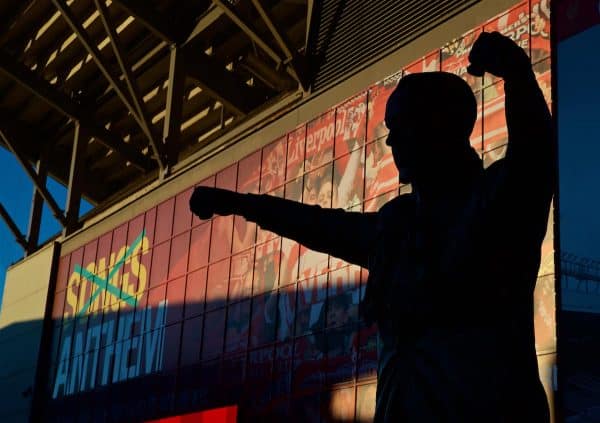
{"points": [[221, 237], [348, 180], [240, 280], [214, 328], [172, 339], [195, 293], [540, 30], [182, 220], [381, 174], [340, 345], [164, 220], [244, 232], [308, 366], [350, 125], [199, 246], [263, 319], [273, 165], [455, 58], [286, 312], [238, 321], [266, 266], [191, 341], [296, 143], [320, 134], [217, 284], [178, 255], [429, 63], [176, 299], [227, 178], [377, 99], [310, 305], [160, 263], [62, 274], [318, 186]]}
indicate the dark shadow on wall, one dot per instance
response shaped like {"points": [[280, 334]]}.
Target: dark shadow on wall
{"points": [[148, 361], [152, 363]]}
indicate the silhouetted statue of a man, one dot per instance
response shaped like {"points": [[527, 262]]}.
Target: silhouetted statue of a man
{"points": [[453, 265]]}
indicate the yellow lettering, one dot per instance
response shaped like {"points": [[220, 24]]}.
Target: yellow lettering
{"points": [[116, 278], [132, 282], [137, 268], [71, 298]]}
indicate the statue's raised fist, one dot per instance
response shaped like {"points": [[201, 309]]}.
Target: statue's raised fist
{"points": [[207, 201], [497, 54]]}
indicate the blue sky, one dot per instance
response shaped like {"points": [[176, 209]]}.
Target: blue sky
{"points": [[16, 191]]}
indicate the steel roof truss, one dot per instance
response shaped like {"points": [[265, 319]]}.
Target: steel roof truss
{"points": [[294, 61], [37, 203], [91, 48], [76, 179], [174, 104], [131, 83], [248, 30], [151, 19], [38, 182], [10, 223], [59, 101]]}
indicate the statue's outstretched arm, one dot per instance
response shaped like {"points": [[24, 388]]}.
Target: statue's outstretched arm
{"points": [[347, 235]]}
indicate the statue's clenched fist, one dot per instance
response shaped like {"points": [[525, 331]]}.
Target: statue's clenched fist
{"points": [[499, 55], [207, 201]]}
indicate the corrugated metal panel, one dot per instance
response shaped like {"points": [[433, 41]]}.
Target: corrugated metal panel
{"points": [[349, 34]]}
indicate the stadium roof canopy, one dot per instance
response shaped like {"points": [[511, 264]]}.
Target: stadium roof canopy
{"points": [[107, 95]]}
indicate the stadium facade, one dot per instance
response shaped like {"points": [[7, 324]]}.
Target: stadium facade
{"points": [[140, 311]]}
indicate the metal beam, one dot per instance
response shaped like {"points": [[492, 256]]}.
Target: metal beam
{"points": [[204, 22], [37, 181], [310, 8], [220, 83], [114, 82], [248, 30], [174, 104], [132, 86], [76, 180], [59, 101], [19, 237], [154, 21], [19, 10], [283, 44], [37, 203], [294, 61], [277, 80]]}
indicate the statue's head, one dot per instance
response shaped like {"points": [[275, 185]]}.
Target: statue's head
{"points": [[430, 117]]}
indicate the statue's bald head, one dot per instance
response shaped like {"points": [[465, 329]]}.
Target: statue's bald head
{"points": [[438, 101], [430, 115]]}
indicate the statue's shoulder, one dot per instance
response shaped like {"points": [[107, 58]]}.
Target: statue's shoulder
{"points": [[397, 213], [400, 204]]}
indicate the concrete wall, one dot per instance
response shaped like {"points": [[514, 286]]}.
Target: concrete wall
{"points": [[21, 323]]}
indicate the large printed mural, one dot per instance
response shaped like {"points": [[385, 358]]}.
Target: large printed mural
{"points": [[168, 313]]}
